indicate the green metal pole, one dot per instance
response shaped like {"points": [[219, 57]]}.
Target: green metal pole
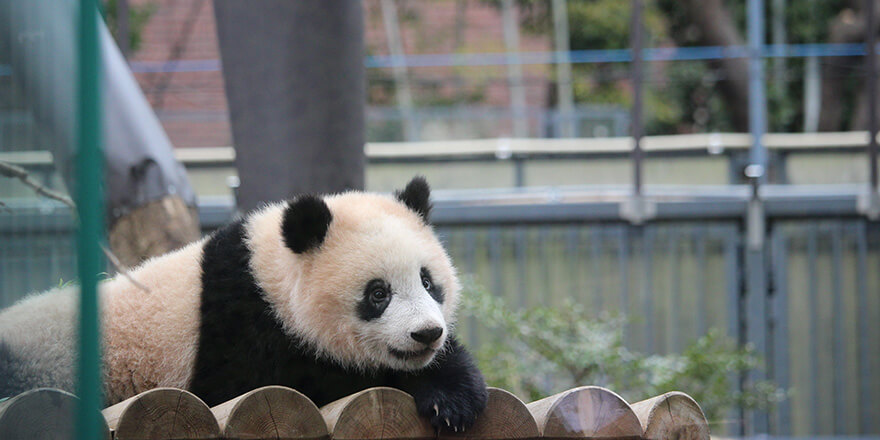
{"points": [[90, 211]]}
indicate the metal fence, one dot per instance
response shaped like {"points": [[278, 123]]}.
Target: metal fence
{"points": [[386, 124], [650, 274], [676, 280], [675, 277], [824, 324]]}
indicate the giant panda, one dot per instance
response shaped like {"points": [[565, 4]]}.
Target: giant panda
{"points": [[326, 294]]}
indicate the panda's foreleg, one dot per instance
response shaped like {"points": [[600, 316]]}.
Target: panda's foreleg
{"points": [[451, 391]]}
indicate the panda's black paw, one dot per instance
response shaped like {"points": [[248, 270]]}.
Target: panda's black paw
{"points": [[452, 410], [451, 392]]}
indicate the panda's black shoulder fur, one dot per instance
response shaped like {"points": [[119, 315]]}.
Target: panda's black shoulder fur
{"points": [[241, 344]]}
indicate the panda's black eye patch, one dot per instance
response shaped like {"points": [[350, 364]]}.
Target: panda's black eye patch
{"points": [[434, 290], [377, 295]]}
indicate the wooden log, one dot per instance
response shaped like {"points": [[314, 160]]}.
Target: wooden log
{"points": [[152, 229], [376, 413], [672, 415], [272, 412], [162, 413], [41, 414], [505, 417], [586, 412]]}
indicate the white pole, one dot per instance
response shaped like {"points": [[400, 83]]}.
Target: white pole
{"points": [[401, 79], [564, 95], [514, 69]]}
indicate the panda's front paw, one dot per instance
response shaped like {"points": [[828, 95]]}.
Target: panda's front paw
{"points": [[452, 410]]}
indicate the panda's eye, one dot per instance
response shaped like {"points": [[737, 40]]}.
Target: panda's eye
{"points": [[378, 295], [427, 284]]}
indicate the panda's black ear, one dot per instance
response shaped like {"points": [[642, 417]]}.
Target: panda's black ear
{"points": [[305, 223], [416, 196]]}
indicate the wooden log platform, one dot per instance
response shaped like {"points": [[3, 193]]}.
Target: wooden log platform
{"points": [[162, 413], [672, 415], [586, 412], [376, 413], [280, 413], [41, 414], [270, 413]]}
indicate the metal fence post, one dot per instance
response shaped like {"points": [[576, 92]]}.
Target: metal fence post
{"points": [[510, 25], [122, 27], [869, 204], [755, 252], [90, 212], [564, 94], [403, 92], [637, 209], [780, 341], [636, 122], [872, 91]]}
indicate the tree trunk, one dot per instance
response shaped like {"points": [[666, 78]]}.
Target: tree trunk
{"points": [[847, 27], [150, 203], [140, 170], [858, 31], [295, 82], [153, 229], [860, 113], [718, 29]]}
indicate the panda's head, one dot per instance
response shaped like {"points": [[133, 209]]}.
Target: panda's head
{"points": [[361, 277]]}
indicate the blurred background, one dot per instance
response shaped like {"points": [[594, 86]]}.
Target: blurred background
{"points": [[677, 194]]}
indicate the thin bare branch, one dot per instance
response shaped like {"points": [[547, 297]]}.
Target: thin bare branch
{"points": [[114, 261], [16, 172]]}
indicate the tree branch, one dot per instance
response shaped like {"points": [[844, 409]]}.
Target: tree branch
{"points": [[16, 172], [114, 261]]}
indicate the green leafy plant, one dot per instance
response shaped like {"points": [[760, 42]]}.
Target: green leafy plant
{"points": [[539, 351], [138, 16], [62, 283]]}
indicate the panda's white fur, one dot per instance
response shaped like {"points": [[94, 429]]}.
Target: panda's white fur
{"points": [[394, 243], [149, 338], [152, 339], [39, 328]]}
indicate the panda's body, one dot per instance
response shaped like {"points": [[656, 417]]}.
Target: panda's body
{"points": [[327, 295]]}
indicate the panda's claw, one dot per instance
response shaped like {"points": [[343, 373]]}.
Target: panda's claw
{"points": [[451, 409], [441, 419]]}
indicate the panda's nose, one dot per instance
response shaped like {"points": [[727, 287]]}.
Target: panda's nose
{"points": [[427, 335]]}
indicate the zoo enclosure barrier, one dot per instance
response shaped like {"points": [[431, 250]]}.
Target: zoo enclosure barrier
{"points": [[806, 301]]}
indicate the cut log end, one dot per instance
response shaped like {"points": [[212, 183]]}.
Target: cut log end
{"points": [[505, 417], [672, 415], [272, 412], [152, 229], [162, 413], [43, 413], [591, 411], [384, 413]]}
